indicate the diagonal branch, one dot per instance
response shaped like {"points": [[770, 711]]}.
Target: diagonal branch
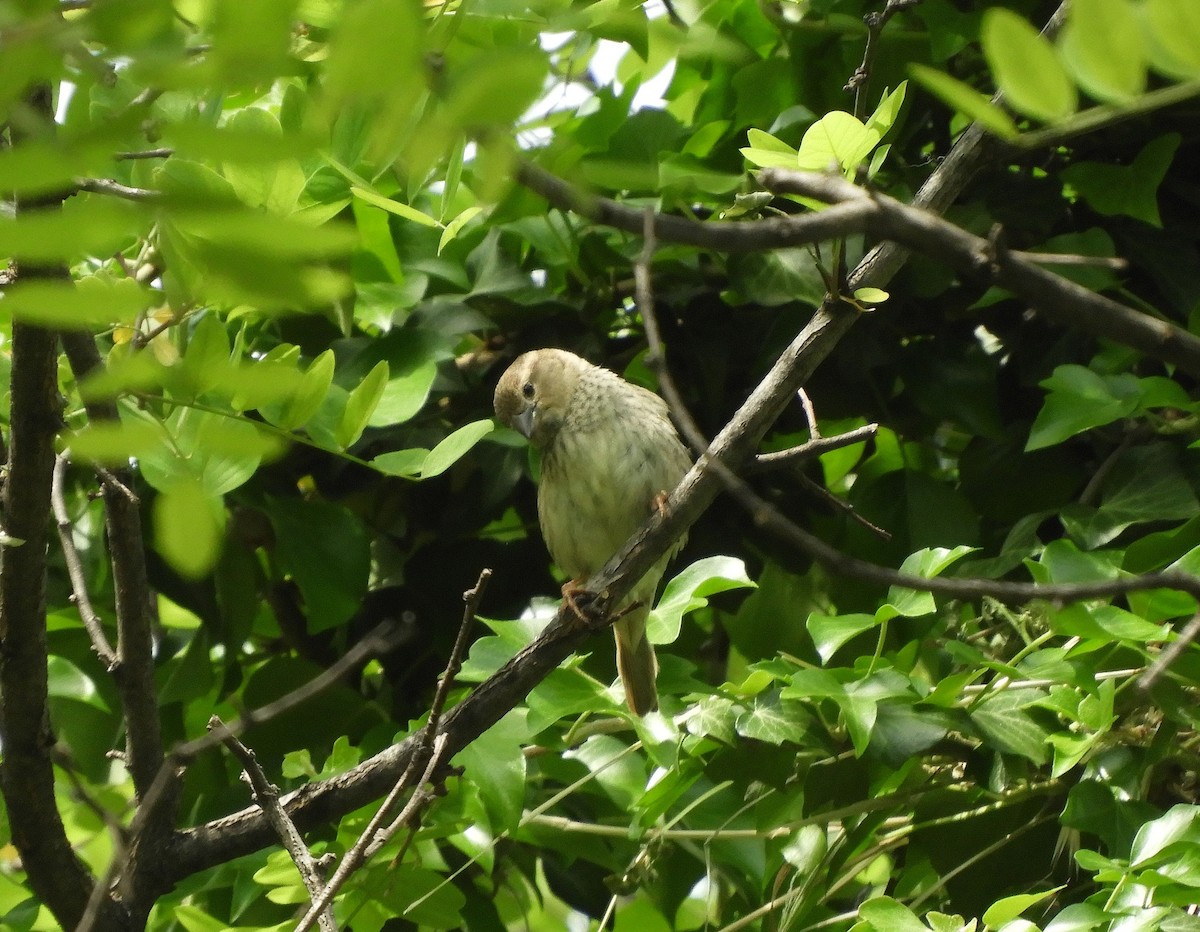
{"points": [[266, 794], [79, 589], [1055, 297]]}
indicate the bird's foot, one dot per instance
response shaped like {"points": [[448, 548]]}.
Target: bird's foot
{"points": [[582, 603], [659, 503]]}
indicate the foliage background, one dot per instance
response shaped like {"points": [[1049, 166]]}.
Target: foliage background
{"points": [[292, 229]]}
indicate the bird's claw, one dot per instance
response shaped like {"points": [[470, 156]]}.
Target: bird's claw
{"points": [[582, 603]]}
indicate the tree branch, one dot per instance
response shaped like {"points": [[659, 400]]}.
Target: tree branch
{"points": [[1055, 297], [79, 590], [266, 794], [134, 670], [433, 751], [56, 875]]}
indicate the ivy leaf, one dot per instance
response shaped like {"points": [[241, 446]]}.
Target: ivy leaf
{"points": [[689, 590], [1078, 400]]}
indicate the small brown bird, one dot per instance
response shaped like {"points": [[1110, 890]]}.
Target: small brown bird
{"points": [[609, 454]]}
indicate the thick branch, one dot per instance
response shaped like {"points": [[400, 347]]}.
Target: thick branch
{"points": [[718, 235], [26, 773]]}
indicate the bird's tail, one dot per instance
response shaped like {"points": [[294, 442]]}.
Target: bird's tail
{"points": [[636, 661]]}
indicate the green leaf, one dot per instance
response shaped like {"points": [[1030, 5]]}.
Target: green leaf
{"points": [[495, 764], [1173, 26], [888, 111], [1080, 400], [689, 591], [1026, 67], [189, 523], [965, 99], [206, 358], [360, 405], [1103, 48], [67, 681], [932, 561], [830, 632], [394, 207], [455, 447], [837, 139], [116, 444], [87, 225], [306, 399], [426, 898], [325, 550], [870, 295], [1003, 720], [885, 914], [194, 919], [1145, 484], [455, 226], [1005, 910], [773, 720], [1130, 190], [1180, 823], [220, 452], [95, 301], [404, 463], [495, 87]]}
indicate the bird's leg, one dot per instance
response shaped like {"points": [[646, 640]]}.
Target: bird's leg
{"points": [[581, 603], [658, 504], [570, 590]]}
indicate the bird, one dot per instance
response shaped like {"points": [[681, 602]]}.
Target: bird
{"points": [[609, 457]]}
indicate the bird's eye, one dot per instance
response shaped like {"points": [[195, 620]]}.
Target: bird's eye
{"points": [[527, 389]]}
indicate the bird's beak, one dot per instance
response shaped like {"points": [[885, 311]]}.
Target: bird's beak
{"points": [[524, 421]]}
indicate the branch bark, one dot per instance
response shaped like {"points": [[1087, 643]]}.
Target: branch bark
{"points": [[26, 771], [134, 671]]}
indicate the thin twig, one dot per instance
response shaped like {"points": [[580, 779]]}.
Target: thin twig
{"points": [[266, 794], [845, 507], [419, 799], [79, 590], [432, 750], [875, 21], [811, 449], [1170, 653], [145, 154], [113, 482], [1112, 263], [810, 414], [116, 189], [900, 228]]}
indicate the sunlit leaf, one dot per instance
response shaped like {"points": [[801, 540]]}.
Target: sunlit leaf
{"points": [[455, 447], [1026, 67], [965, 99], [361, 404]]}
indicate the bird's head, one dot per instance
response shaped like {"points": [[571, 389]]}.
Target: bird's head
{"points": [[533, 394]]}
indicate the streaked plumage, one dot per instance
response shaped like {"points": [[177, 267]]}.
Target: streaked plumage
{"points": [[608, 451]]}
